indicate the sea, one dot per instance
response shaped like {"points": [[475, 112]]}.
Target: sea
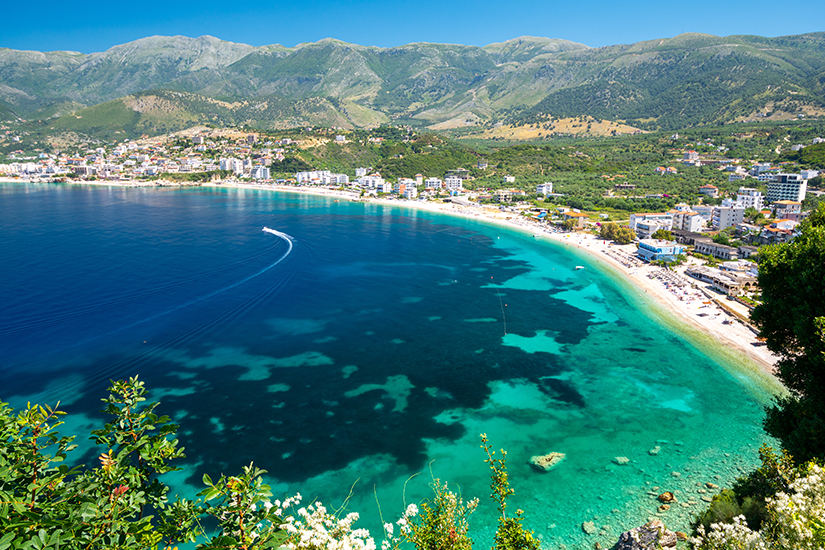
{"points": [[358, 351]]}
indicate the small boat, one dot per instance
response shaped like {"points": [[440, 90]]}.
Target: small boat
{"points": [[579, 267]]}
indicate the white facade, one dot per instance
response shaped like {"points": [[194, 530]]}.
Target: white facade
{"points": [[359, 172], [787, 187], [646, 228], [750, 198], [322, 177], [688, 221], [726, 216], [371, 182], [432, 183], [665, 220], [544, 188], [452, 183], [260, 173]]}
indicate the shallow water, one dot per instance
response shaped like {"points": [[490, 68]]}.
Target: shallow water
{"points": [[375, 344]]}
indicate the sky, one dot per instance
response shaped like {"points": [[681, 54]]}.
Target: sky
{"points": [[96, 25]]}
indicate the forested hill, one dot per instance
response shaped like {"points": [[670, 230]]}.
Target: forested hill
{"points": [[687, 80]]}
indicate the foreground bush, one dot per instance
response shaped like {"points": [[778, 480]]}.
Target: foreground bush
{"points": [[796, 520], [122, 503]]}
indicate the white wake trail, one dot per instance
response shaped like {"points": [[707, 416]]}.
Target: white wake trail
{"points": [[288, 239]]}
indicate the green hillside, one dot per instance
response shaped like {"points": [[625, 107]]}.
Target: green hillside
{"points": [[670, 83]]}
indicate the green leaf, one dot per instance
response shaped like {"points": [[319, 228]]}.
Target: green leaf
{"points": [[207, 480]]}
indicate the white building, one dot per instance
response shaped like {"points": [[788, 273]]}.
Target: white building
{"points": [[665, 219], [432, 183], [232, 164], [322, 177], [651, 250], [646, 228], [260, 173], [545, 188], [509, 179], [359, 172], [789, 187], [750, 198], [452, 183], [688, 220], [758, 168], [371, 182], [726, 216]]}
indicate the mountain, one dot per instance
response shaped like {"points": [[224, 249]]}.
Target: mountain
{"points": [[666, 83]]}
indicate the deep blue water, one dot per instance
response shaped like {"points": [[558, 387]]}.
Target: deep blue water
{"points": [[379, 343]]}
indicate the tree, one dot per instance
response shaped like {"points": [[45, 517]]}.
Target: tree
{"points": [[663, 234], [790, 318], [569, 224], [620, 234]]}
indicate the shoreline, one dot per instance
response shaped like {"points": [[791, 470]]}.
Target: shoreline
{"points": [[683, 299], [691, 309]]}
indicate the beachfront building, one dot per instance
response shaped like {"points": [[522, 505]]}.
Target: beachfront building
{"points": [[453, 183], [790, 187], [731, 283], [321, 177], [654, 250], [260, 173], [432, 183], [748, 197], [646, 224], [578, 217], [726, 216], [372, 181]]}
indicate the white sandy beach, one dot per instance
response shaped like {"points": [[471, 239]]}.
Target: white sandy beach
{"points": [[689, 300]]}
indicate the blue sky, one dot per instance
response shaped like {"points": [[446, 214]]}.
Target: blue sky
{"points": [[100, 24]]}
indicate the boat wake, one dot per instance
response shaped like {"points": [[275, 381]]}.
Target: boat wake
{"points": [[286, 238]]}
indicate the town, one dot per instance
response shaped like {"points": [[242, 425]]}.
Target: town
{"points": [[727, 229]]}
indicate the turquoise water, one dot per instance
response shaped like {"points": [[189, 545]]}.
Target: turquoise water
{"points": [[371, 345]]}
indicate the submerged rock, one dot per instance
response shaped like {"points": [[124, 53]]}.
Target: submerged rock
{"points": [[589, 527], [651, 536], [667, 497], [655, 450], [621, 460], [546, 462]]}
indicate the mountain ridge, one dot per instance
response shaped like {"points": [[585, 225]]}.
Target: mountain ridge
{"points": [[685, 80]]}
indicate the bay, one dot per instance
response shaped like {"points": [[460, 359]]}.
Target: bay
{"points": [[366, 350]]}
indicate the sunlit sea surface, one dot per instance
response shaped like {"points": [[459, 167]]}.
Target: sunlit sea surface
{"points": [[367, 345]]}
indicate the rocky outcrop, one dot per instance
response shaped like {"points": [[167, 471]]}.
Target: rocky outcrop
{"points": [[651, 536], [546, 462]]}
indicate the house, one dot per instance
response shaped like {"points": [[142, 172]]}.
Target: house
{"points": [[789, 210], [509, 179], [709, 190], [545, 188], [653, 250], [578, 217]]}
